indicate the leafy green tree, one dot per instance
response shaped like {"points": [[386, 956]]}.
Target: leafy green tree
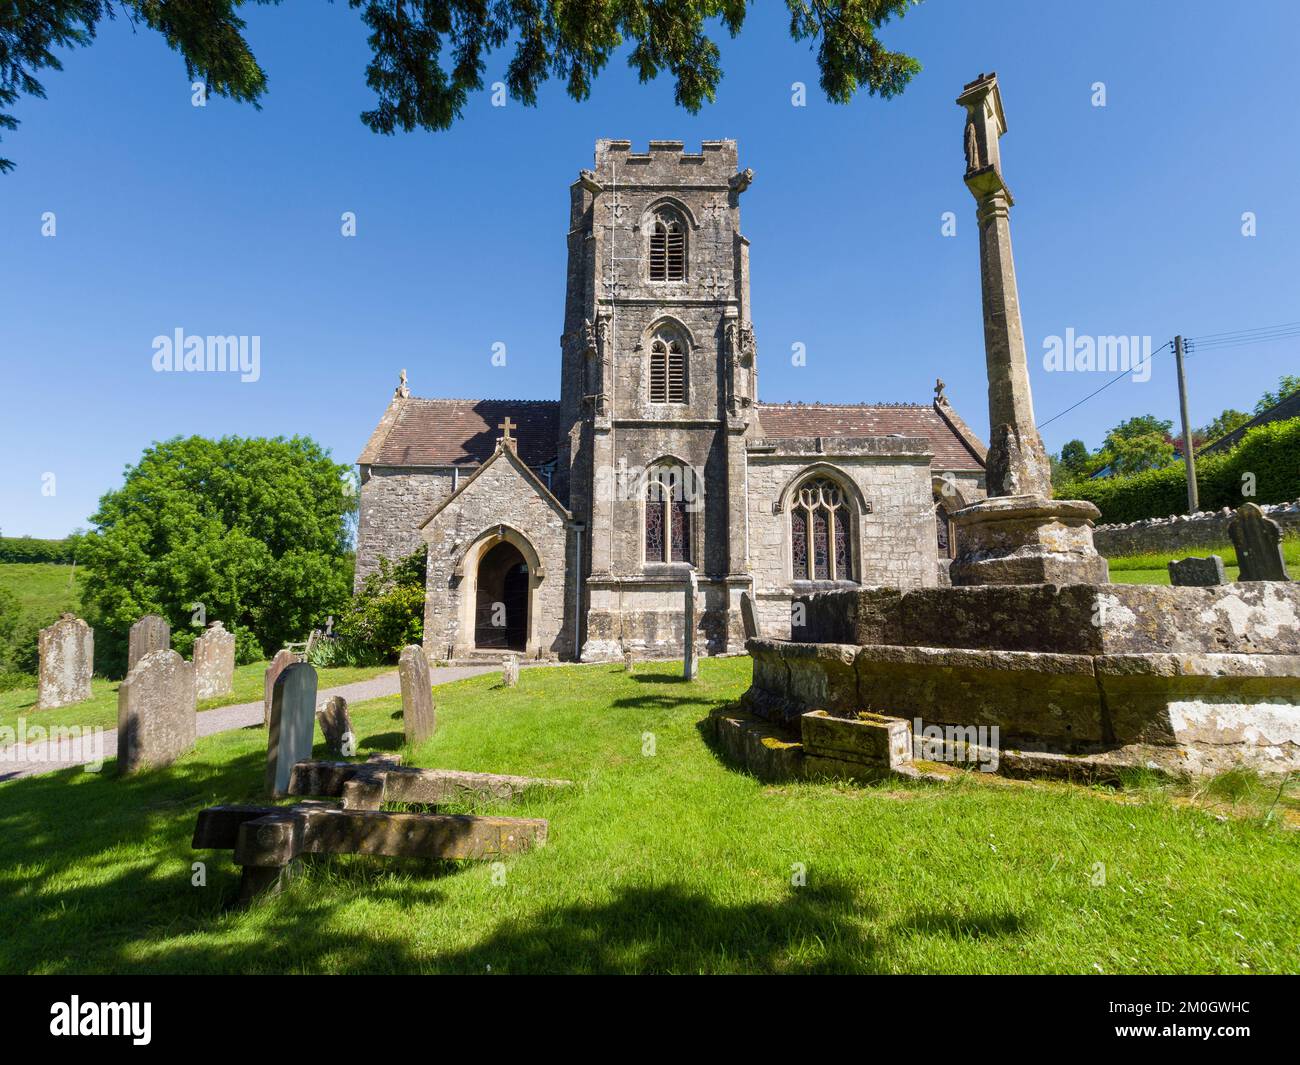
{"points": [[1134, 454], [1287, 384], [1076, 459], [1142, 425], [427, 56], [1222, 425], [253, 529]]}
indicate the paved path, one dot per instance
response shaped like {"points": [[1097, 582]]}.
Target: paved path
{"points": [[45, 758]]}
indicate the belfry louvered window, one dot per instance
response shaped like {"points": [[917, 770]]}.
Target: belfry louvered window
{"points": [[667, 515], [667, 248], [820, 533], [667, 370]]}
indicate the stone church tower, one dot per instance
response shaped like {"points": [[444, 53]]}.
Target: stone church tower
{"points": [[571, 528], [657, 385]]}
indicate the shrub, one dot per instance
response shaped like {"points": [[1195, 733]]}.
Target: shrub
{"points": [[1268, 452], [384, 616], [11, 681]]}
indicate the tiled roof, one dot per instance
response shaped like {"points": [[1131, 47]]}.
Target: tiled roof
{"points": [[955, 446], [461, 432]]}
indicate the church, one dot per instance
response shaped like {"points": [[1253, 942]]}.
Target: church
{"points": [[569, 528]]}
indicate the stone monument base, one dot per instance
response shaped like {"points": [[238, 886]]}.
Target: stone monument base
{"points": [[1027, 540], [1060, 680]]}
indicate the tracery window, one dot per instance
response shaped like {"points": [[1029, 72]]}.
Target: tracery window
{"points": [[667, 516], [820, 532], [667, 369], [667, 247]]}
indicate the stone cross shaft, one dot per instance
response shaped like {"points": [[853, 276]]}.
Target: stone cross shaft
{"points": [[1017, 461]]}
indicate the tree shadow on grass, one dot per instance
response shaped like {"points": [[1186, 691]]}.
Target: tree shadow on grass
{"points": [[966, 926], [672, 929]]}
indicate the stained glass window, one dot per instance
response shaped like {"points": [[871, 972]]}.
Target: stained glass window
{"points": [[799, 542], [820, 522], [667, 516]]}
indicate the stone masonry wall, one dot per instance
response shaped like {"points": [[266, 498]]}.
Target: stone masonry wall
{"points": [[394, 501], [1183, 533]]}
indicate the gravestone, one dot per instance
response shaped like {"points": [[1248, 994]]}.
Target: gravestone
{"points": [[293, 720], [749, 616], [156, 712], [214, 662], [284, 657], [417, 695], [628, 662], [690, 659], [335, 723], [1258, 540], [150, 633], [510, 671], [67, 651], [1197, 572]]}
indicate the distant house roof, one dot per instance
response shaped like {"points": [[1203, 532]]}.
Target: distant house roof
{"points": [[1288, 408], [954, 445], [460, 432]]}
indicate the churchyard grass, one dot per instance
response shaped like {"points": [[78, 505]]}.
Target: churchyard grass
{"points": [[660, 859], [1154, 568], [100, 710]]}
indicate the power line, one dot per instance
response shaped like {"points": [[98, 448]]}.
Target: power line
{"points": [[1114, 380]]}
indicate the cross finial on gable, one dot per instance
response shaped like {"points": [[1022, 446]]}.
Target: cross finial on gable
{"points": [[505, 427]]}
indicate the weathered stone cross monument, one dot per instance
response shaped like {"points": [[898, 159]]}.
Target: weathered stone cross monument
{"points": [[1019, 535]]}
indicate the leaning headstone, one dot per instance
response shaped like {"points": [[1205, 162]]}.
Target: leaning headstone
{"points": [[293, 720], [417, 694], [335, 723], [749, 616], [510, 671], [690, 660], [214, 661], [283, 658], [156, 712], [150, 633], [67, 652], [1258, 540], [1197, 572]]}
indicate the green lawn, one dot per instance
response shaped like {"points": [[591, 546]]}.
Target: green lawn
{"points": [[100, 710], [671, 862], [1154, 568]]}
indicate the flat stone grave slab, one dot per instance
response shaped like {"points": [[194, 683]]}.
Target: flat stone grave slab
{"points": [[268, 839], [368, 785]]}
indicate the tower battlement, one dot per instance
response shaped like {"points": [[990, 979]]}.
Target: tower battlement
{"points": [[665, 161]]}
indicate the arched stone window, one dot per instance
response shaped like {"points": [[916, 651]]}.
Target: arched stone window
{"points": [[667, 246], [667, 515], [821, 532], [667, 368]]}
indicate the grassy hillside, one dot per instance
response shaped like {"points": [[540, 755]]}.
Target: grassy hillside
{"points": [[44, 590], [668, 861]]}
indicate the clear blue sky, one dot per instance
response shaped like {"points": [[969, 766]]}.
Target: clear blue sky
{"points": [[226, 220]]}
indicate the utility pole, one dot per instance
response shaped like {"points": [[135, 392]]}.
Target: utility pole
{"points": [[1189, 451]]}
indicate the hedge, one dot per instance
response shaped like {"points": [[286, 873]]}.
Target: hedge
{"points": [[1270, 452], [30, 549]]}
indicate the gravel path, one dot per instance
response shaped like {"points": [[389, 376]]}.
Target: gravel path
{"points": [[67, 753]]}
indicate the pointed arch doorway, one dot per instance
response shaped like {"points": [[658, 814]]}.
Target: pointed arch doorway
{"points": [[501, 599]]}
